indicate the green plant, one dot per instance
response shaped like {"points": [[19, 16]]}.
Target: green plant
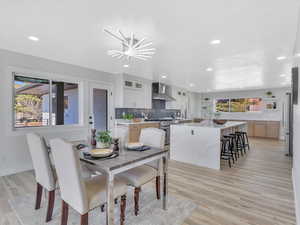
{"points": [[269, 93], [104, 137], [128, 116]]}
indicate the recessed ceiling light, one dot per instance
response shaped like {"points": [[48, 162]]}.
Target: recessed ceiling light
{"points": [[33, 38], [163, 76], [297, 55], [209, 69], [215, 42], [281, 57], [192, 85], [282, 75], [126, 66]]}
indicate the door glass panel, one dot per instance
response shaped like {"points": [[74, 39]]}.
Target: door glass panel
{"points": [[100, 109]]}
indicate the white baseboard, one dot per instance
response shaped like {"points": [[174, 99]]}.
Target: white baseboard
{"points": [[296, 194]]}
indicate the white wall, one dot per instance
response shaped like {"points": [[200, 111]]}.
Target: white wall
{"points": [[14, 155], [190, 103]]}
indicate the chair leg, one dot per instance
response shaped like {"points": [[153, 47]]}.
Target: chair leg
{"points": [[39, 192], [84, 220], [136, 200], [122, 209], [64, 213], [247, 141], [158, 187], [50, 205]]}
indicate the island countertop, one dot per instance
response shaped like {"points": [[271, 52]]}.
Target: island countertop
{"points": [[200, 143], [228, 124]]}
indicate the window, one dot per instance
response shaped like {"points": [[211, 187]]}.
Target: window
{"points": [[222, 105], [239, 105], [33, 106], [254, 105]]}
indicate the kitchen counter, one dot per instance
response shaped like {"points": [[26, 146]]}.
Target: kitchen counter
{"points": [[200, 143], [228, 124], [135, 123]]}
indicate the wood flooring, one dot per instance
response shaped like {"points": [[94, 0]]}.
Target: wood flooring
{"points": [[256, 191]]}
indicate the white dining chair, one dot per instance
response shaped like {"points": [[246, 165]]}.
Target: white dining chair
{"points": [[81, 194], [141, 175], [44, 174]]}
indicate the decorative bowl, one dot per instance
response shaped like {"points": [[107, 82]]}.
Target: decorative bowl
{"points": [[100, 153], [219, 122], [134, 145]]}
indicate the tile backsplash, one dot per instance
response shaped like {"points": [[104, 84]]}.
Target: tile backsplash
{"points": [[152, 113]]}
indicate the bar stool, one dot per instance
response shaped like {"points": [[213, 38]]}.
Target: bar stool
{"points": [[246, 140], [238, 143], [232, 148], [226, 154]]}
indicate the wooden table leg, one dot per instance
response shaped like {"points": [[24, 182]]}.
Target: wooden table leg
{"points": [[110, 199], [165, 181]]}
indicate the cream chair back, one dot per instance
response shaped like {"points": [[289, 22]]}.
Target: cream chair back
{"points": [[67, 164], [153, 137], [41, 161]]}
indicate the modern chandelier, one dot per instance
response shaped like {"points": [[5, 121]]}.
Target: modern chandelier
{"points": [[131, 47]]}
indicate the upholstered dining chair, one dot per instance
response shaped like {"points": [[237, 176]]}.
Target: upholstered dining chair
{"points": [[81, 194], [141, 175], [44, 174]]}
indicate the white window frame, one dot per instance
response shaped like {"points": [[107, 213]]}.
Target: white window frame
{"points": [[51, 77]]}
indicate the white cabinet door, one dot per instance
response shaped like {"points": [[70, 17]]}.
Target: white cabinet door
{"points": [[134, 99]]}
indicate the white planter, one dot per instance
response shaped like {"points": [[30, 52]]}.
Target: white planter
{"points": [[102, 145]]}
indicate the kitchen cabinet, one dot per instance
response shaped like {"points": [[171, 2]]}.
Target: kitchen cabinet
{"points": [[133, 99], [250, 131], [134, 129], [133, 92], [264, 129], [273, 129], [260, 129]]}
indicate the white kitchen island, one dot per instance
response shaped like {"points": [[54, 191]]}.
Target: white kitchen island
{"points": [[200, 144]]}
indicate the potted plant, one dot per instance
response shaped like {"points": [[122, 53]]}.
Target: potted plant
{"points": [[269, 93], [103, 139], [128, 116]]}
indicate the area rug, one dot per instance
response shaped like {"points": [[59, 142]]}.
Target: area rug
{"points": [[151, 212]]}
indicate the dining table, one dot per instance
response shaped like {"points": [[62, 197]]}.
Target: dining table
{"points": [[126, 160]]}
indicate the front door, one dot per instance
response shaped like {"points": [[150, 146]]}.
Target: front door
{"points": [[100, 117]]}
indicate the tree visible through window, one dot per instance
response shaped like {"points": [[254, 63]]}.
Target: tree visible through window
{"points": [[222, 105], [32, 102], [239, 105]]}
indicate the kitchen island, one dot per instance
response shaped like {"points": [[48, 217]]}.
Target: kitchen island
{"points": [[200, 143]]}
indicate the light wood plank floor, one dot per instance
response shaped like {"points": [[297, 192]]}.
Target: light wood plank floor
{"points": [[257, 191]]}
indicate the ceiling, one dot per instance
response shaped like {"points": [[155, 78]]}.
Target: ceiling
{"points": [[253, 34]]}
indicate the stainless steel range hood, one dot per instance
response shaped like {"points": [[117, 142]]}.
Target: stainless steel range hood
{"points": [[161, 91]]}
